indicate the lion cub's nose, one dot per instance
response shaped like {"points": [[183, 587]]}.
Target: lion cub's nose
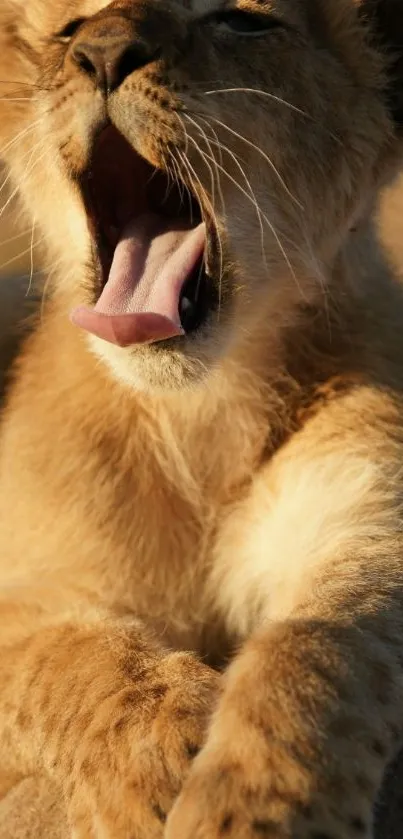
{"points": [[109, 50]]}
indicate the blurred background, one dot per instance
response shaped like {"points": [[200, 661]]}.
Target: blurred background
{"points": [[14, 243], [391, 223], [19, 274]]}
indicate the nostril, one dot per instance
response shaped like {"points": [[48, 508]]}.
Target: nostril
{"points": [[90, 61], [84, 62], [109, 61], [132, 58]]}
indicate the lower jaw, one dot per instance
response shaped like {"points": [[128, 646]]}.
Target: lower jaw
{"points": [[164, 368], [168, 367]]}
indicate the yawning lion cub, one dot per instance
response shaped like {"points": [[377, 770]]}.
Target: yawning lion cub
{"points": [[201, 457]]}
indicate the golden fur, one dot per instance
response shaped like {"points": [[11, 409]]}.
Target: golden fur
{"points": [[239, 497]]}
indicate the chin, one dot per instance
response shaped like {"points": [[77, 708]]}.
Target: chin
{"points": [[172, 365]]}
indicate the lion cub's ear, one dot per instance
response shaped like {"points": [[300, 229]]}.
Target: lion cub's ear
{"points": [[385, 18]]}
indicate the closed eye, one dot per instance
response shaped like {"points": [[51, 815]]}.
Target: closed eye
{"points": [[241, 22], [70, 29]]}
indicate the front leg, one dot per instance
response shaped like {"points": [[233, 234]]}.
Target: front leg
{"points": [[311, 568], [89, 699], [297, 750]]}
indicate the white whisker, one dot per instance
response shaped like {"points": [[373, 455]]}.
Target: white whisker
{"points": [[268, 222], [192, 140], [31, 256], [193, 176], [17, 99], [200, 151], [271, 96], [20, 136], [277, 99], [252, 194], [20, 255], [27, 171], [262, 153], [255, 202], [14, 238], [211, 207]]}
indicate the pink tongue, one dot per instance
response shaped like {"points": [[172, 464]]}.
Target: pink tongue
{"points": [[140, 301]]}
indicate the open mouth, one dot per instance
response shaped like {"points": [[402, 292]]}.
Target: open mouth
{"points": [[151, 241]]}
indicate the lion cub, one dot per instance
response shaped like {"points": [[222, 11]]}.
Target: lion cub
{"points": [[201, 456]]}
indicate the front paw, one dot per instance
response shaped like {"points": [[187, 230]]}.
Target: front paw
{"points": [[227, 797], [266, 771], [137, 751]]}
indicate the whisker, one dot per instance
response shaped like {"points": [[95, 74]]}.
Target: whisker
{"points": [[31, 255], [193, 175], [9, 200], [20, 87], [269, 224], [5, 182], [253, 196], [257, 90], [204, 136], [21, 134], [20, 255], [183, 129], [212, 203], [220, 247], [14, 238], [27, 171], [181, 185], [17, 99], [261, 152], [277, 99], [211, 208], [27, 154], [260, 212], [20, 82]]}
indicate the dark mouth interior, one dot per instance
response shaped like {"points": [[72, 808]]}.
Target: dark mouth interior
{"points": [[120, 184]]}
